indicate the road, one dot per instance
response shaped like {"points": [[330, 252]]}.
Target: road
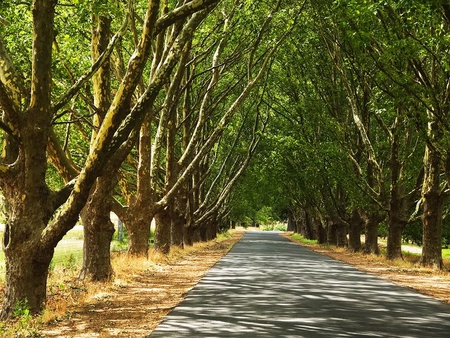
{"points": [[267, 286]]}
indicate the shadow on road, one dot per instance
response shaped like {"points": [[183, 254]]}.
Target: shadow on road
{"points": [[270, 287]]}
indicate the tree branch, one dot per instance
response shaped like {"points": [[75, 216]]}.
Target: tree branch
{"points": [[62, 101]]}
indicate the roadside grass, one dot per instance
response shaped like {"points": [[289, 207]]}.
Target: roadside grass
{"points": [[302, 239], [410, 259]]}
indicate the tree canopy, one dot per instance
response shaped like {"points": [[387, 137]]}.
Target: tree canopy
{"points": [[332, 116]]}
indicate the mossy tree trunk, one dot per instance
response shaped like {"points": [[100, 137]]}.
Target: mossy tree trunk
{"points": [[98, 232], [433, 201], [30, 202], [97, 226]]}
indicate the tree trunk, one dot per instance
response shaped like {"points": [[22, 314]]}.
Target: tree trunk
{"points": [[98, 228], [140, 213], [189, 235], [233, 224], [394, 240], [321, 232], [98, 232], [177, 230], [397, 220], [331, 233], [341, 234], [202, 233], [397, 208], [27, 256], [308, 226], [212, 228], [163, 232], [138, 230], [432, 211], [298, 224], [354, 233], [26, 272], [211, 232], [291, 224], [179, 217], [371, 222]]}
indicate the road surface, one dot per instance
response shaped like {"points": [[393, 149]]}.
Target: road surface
{"points": [[267, 286]]}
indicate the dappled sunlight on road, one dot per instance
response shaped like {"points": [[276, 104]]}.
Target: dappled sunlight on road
{"points": [[270, 287]]}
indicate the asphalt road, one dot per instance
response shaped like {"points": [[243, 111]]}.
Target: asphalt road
{"points": [[267, 286]]}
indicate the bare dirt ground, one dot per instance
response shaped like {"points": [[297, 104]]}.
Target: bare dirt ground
{"points": [[424, 280]]}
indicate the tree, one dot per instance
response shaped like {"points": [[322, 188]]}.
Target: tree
{"points": [[32, 229]]}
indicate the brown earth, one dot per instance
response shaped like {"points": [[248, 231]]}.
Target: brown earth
{"points": [[139, 298]]}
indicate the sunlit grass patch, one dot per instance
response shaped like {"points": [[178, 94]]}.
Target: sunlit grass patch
{"points": [[446, 253], [302, 239]]}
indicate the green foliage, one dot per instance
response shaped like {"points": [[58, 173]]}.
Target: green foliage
{"points": [[21, 309], [413, 233], [274, 227], [383, 229], [25, 326]]}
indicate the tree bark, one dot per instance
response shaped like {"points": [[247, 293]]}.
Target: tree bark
{"points": [[178, 222], [138, 236], [395, 232], [212, 228], [140, 212], [371, 221], [341, 234], [178, 219], [354, 233], [98, 228], [26, 273], [98, 232], [202, 233], [397, 219], [30, 202], [308, 226], [321, 232], [163, 232], [189, 235], [291, 224], [332, 233], [432, 211]]}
